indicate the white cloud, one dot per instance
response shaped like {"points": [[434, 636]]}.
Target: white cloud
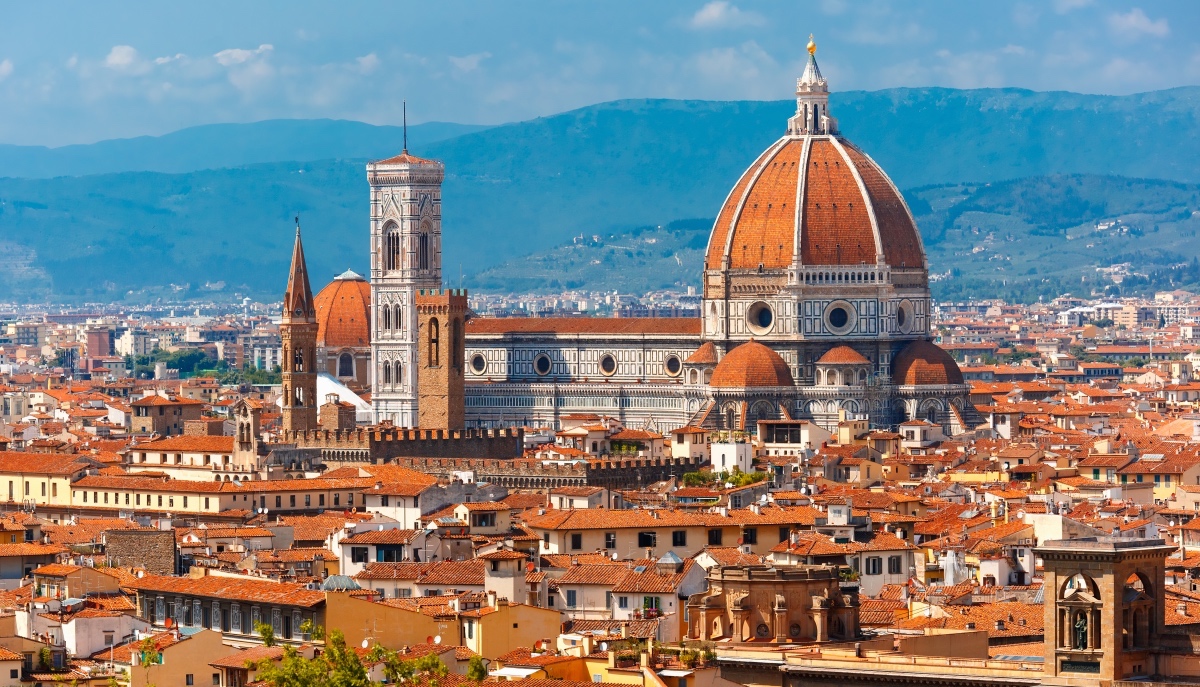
{"points": [[6, 69], [720, 14], [232, 56], [1011, 49], [1136, 23], [367, 63], [169, 58], [121, 57], [469, 63], [1064, 6]]}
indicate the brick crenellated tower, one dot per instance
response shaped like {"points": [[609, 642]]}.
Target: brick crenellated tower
{"points": [[441, 318], [298, 331]]}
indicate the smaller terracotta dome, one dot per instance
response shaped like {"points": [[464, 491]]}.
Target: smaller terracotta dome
{"points": [[705, 355], [922, 362], [843, 355], [749, 365], [343, 312]]}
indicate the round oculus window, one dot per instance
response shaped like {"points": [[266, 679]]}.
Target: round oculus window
{"points": [[840, 317], [760, 318], [672, 365], [541, 364], [478, 363], [608, 364], [904, 316], [763, 630]]}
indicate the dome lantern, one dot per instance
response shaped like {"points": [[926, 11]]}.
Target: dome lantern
{"points": [[812, 100]]}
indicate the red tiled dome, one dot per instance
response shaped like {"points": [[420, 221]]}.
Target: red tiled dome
{"points": [[751, 364], [850, 211], [842, 355], [705, 355], [344, 313], [922, 362]]}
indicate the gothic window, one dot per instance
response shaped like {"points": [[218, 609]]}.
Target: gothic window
{"points": [[387, 318], [387, 373], [391, 247], [345, 365], [434, 341], [423, 248], [397, 322], [298, 360]]}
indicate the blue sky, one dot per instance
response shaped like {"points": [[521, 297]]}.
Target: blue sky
{"points": [[81, 72]]}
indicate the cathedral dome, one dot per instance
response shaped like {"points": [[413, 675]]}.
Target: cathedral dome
{"points": [[813, 199], [343, 312], [922, 362], [842, 355], [822, 193], [749, 365]]}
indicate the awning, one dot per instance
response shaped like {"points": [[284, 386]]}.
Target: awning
{"points": [[510, 671], [671, 672]]}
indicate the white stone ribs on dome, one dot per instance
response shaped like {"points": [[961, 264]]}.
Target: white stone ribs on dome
{"points": [[737, 214], [892, 185], [870, 202], [801, 186]]}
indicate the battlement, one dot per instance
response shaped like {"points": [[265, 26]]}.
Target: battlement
{"points": [[383, 443], [452, 299], [536, 474]]}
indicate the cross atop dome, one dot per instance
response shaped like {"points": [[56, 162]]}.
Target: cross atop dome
{"points": [[812, 100]]}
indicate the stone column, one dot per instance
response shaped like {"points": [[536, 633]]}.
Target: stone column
{"points": [[821, 620], [781, 626]]}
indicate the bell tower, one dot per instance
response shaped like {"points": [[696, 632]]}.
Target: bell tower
{"points": [[298, 332], [1104, 608], [406, 257]]}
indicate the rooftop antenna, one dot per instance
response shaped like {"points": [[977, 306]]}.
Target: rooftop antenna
{"points": [[404, 114]]}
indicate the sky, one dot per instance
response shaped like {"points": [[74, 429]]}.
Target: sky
{"points": [[78, 72]]}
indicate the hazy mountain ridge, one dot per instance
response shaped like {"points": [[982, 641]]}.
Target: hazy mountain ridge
{"points": [[528, 187], [215, 146]]}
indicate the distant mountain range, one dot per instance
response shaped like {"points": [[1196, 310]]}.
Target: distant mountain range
{"points": [[219, 221], [214, 146]]}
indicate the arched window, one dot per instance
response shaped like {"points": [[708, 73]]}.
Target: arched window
{"points": [[345, 365], [387, 373], [455, 340], [397, 321], [387, 318], [391, 247], [423, 249], [434, 341], [298, 360]]}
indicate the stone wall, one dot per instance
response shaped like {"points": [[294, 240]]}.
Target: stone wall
{"points": [[153, 550]]}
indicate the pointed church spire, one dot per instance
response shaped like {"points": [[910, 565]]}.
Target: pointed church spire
{"points": [[298, 299]]}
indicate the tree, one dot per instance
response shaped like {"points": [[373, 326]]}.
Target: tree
{"points": [[346, 668], [46, 658], [266, 631], [293, 670], [397, 669], [313, 630], [476, 670]]}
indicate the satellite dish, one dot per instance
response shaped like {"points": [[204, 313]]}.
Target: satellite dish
{"points": [[437, 639], [429, 639], [604, 646], [366, 643], [168, 623]]}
